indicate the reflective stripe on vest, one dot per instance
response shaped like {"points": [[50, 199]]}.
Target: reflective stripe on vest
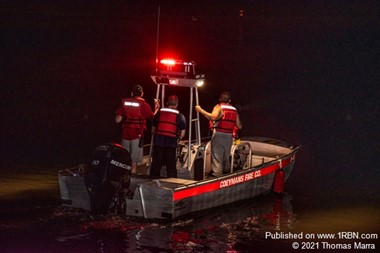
{"points": [[228, 121], [167, 122], [133, 104], [132, 110]]}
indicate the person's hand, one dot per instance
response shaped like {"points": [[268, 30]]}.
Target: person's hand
{"points": [[198, 108]]}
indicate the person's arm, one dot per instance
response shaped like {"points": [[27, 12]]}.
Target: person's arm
{"points": [[153, 132], [154, 124], [182, 134], [214, 115], [119, 115], [118, 119], [146, 111], [156, 106], [239, 124], [181, 123]]}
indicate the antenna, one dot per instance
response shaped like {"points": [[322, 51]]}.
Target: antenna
{"points": [[158, 86], [157, 37]]}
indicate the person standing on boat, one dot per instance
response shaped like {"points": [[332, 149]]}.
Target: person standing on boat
{"points": [[225, 118], [133, 113], [169, 126]]}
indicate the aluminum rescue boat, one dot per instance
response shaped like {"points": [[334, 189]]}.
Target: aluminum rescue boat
{"points": [[259, 166]]}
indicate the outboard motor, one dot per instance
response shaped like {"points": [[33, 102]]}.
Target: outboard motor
{"points": [[109, 173]]}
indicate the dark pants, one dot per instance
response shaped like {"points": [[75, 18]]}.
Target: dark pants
{"points": [[164, 156]]}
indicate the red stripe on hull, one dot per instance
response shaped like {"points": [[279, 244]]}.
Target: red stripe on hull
{"points": [[229, 182]]}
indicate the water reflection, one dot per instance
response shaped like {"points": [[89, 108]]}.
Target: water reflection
{"points": [[233, 228]]}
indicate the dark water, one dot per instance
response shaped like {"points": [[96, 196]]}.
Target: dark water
{"points": [[306, 73], [232, 228], [32, 220]]}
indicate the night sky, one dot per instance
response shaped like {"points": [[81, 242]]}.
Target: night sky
{"points": [[302, 71]]}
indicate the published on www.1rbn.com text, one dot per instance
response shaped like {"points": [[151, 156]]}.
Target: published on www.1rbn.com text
{"points": [[328, 241]]}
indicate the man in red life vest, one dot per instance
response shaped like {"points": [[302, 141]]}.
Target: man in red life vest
{"points": [[133, 113], [169, 125], [225, 118]]}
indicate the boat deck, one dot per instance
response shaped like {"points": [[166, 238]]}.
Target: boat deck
{"points": [[253, 153]]}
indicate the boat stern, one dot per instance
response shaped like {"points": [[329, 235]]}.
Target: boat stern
{"points": [[73, 190], [151, 200]]}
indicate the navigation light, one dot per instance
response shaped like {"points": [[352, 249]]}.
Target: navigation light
{"points": [[199, 83]]}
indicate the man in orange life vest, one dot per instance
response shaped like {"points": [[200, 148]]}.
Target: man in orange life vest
{"points": [[133, 113], [225, 118], [169, 125]]}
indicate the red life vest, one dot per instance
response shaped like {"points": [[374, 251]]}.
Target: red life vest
{"points": [[132, 113], [227, 123], [167, 122]]}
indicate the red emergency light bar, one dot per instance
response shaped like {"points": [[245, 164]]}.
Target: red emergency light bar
{"points": [[168, 61], [177, 73], [172, 62]]}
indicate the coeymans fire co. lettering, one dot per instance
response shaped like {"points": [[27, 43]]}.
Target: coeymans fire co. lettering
{"points": [[240, 179]]}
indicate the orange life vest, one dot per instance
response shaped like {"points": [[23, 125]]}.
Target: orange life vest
{"points": [[227, 122], [167, 122], [132, 111]]}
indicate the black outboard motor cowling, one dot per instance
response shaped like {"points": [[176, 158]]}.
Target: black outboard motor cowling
{"points": [[109, 172]]}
